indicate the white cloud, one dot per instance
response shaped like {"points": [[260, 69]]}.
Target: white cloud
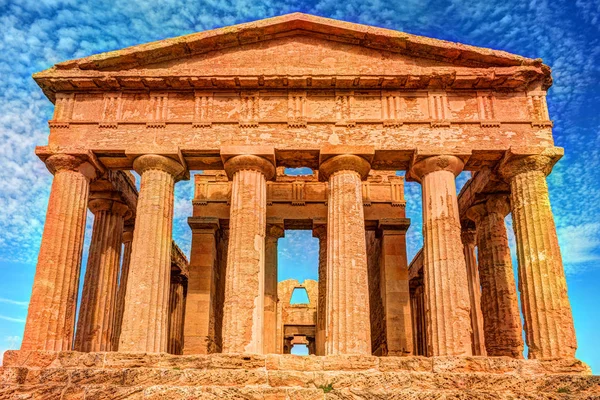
{"points": [[14, 302]]}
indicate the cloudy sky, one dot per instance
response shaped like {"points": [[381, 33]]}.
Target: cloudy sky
{"points": [[35, 34]]}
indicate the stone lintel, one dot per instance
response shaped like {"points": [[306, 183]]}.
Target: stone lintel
{"points": [[179, 260]]}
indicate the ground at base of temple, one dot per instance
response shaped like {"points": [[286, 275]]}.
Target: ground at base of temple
{"points": [[74, 375]]}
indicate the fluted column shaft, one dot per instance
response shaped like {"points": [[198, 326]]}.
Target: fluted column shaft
{"points": [[243, 310], [96, 313], [499, 304], [120, 300], [320, 232], [145, 319], [549, 329], [274, 232], [445, 272], [51, 315], [176, 313], [348, 328], [478, 339]]}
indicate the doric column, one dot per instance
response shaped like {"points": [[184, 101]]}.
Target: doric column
{"points": [[51, 316], [274, 232], [477, 336], [96, 313], [145, 319], [176, 313], [445, 272], [499, 304], [394, 286], [244, 287], [320, 232], [549, 329], [199, 334], [120, 301], [348, 328]]}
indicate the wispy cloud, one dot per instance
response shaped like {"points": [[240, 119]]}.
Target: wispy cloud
{"points": [[14, 302], [11, 319]]}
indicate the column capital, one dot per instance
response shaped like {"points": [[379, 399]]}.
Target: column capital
{"points": [[468, 236], [498, 204], [275, 231], [128, 234], [113, 206], [517, 161], [148, 162], [78, 163], [436, 163], [249, 162], [344, 162], [476, 213], [319, 231]]}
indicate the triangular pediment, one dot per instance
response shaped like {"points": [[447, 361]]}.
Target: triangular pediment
{"points": [[296, 55], [297, 24]]}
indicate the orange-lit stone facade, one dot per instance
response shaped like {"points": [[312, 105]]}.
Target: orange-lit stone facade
{"points": [[356, 105]]}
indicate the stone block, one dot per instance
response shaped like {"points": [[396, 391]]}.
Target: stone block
{"points": [[47, 376], [151, 376], [131, 360], [103, 392], [291, 378], [74, 359], [23, 358], [92, 376], [223, 377], [13, 375], [348, 363], [423, 364], [242, 361], [459, 364], [293, 362]]}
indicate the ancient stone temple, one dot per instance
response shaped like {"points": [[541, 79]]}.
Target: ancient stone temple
{"points": [[364, 109]]}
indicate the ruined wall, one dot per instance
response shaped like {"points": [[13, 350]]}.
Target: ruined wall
{"points": [[377, 314]]}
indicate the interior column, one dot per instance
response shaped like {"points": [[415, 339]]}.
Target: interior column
{"points": [[96, 313], [274, 232]]}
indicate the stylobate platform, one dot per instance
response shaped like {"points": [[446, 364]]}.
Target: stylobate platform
{"points": [[73, 375]]}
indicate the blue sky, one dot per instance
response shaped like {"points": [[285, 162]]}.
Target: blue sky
{"points": [[38, 33]]}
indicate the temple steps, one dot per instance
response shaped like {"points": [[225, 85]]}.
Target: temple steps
{"points": [[73, 375]]}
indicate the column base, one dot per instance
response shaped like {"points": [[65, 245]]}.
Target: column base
{"points": [[160, 375]]}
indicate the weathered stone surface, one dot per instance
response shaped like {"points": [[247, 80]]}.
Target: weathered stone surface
{"points": [[445, 271], [97, 311], [145, 319], [273, 233], [120, 300], [499, 304], [244, 288], [478, 342], [347, 328], [549, 329], [51, 316], [151, 376]]}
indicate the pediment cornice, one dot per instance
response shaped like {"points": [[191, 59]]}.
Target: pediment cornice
{"points": [[465, 67]]}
